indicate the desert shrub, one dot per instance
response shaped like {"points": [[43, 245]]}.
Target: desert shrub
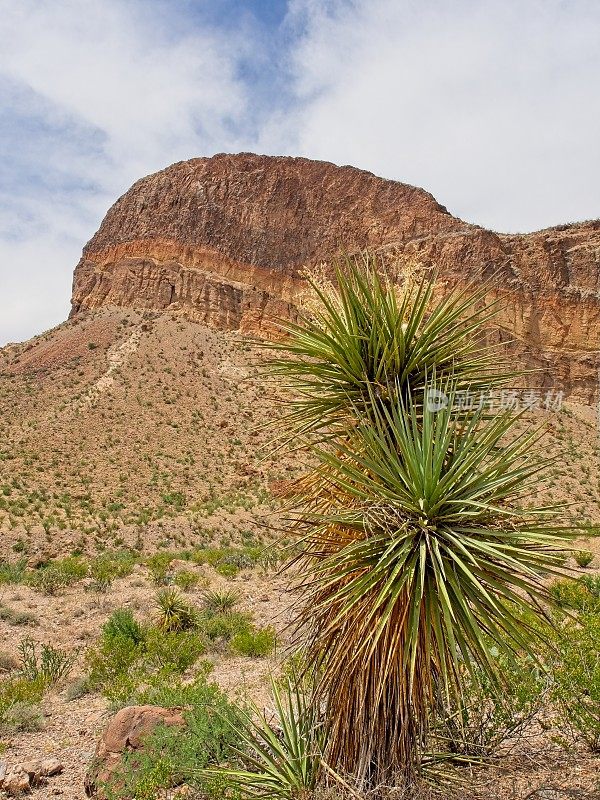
{"points": [[158, 565], [583, 558], [128, 655], [108, 566], [174, 612], [172, 755], [48, 665], [17, 617], [254, 642], [581, 594], [77, 688], [58, 574], [576, 679], [24, 718], [8, 662], [220, 601], [228, 561], [12, 572], [186, 579], [19, 698], [224, 626], [173, 650], [122, 624], [490, 714]]}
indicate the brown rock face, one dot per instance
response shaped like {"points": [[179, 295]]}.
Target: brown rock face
{"points": [[223, 240]]}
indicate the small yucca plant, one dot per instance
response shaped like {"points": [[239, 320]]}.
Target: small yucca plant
{"points": [[174, 612], [418, 553], [220, 601], [281, 756]]}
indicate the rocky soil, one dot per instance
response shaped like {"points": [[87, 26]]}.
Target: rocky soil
{"points": [[126, 428]]}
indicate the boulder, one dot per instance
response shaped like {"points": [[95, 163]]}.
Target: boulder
{"points": [[125, 733]]}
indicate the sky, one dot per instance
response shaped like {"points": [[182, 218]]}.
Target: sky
{"points": [[491, 105]]}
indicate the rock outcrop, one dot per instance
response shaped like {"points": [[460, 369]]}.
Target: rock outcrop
{"points": [[224, 241], [125, 733]]}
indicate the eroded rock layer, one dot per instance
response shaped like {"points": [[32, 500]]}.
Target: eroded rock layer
{"points": [[224, 241]]}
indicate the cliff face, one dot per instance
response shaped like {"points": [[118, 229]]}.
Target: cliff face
{"points": [[223, 240]]}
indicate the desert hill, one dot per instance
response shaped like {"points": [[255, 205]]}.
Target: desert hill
{"points": [[224, 240]]}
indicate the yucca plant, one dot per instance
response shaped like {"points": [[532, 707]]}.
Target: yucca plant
{"points": [[220, 601], [368, 343], [174, 611], [280, 756], [416, 549]]}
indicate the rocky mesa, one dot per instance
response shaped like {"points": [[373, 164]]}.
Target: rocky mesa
{"points": [[224, 241]]}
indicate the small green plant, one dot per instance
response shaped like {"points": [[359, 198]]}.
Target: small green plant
{"points": [[158, 564], [279, 759], [19, 698], [489, 714], [254, 642], [220, 601], [122, 625], [581, 594], [106, 567], [173, 650], [186, 580], [174, 612], [583, 558], [12, 572], [24, 718], [49, 666], [173, 755], [219, 625], [576, 680], [57, 575]]}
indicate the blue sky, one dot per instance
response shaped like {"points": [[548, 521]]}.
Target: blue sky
{"points": [[492, 106]]}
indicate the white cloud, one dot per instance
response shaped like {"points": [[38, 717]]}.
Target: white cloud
{"points": [[493, 107], [96, 93]]}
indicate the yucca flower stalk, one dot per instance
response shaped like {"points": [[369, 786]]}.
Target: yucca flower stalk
{"points": [[417, 550]]}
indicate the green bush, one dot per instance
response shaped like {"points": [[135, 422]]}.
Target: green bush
{"points": [[12, 572], [49, 665], [158, 564], [172, 755], [489, 714], [173, 650], [581, 594], [576, 679], [583, 558], [122, 623], [108, 566], [128, 655], [186, 579], [254, 642], [223, 625], [19, 698], [56, 575]]}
